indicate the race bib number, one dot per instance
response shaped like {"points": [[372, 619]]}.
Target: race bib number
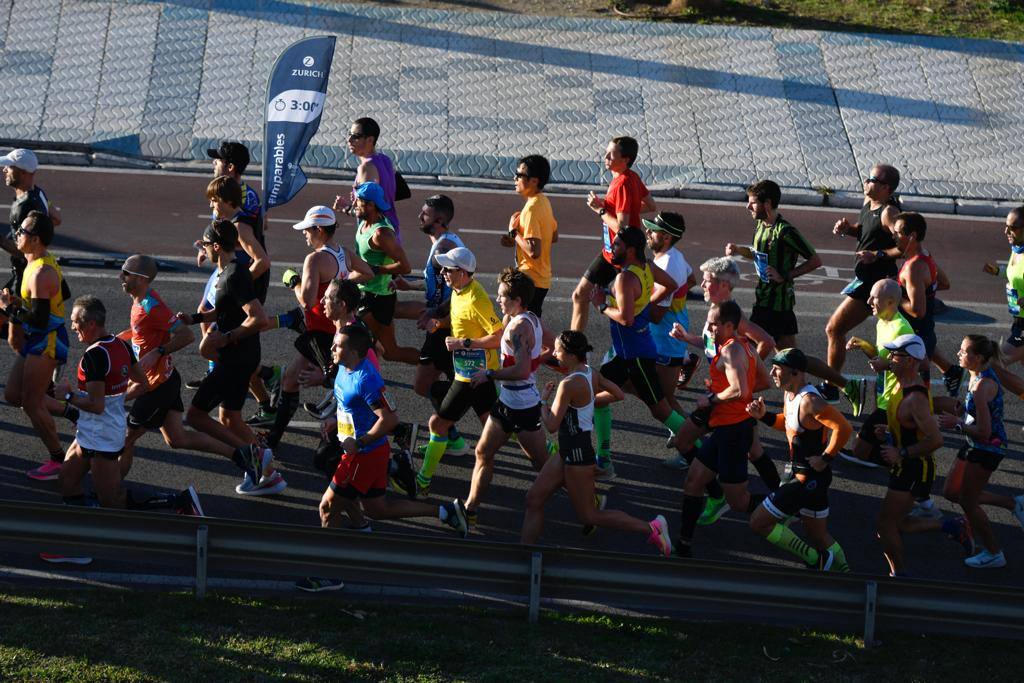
{"points": [[852, 286], [468, 362], [1012, 300], [761, 265], [710, 348], [346, 426]]}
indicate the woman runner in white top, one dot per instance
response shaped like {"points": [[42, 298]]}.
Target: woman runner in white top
{"points": [[571, 414]]}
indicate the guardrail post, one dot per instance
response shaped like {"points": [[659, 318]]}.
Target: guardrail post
{"points": [[870, 606], [201, 536], [536, 564]]}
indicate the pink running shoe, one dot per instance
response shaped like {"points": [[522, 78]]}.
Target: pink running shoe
{"points": [[64, 559], [659, 535], [48, 471]]}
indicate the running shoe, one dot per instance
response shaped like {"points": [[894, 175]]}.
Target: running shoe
{"points": [[422, 487], [925, 511], [65, 559], [1018, 510], [366, 528], [855, 391], [315, 584], [263, 417], [659, 536], [255, 460], [471, 518], [48, 471], [605, 470], [274, 385], [456, 517], [670, 441], [600, 501], [986, 560], [952, 378], [268, 486], [402, 476], [959, 529], [298, 320], [850, 457], [552, 446], [455, 448], [829, 392], [825, 560], [787, 472], [188, 503], [675, 461], [322, 410], [193, 384], [714, 508], [687, 370]]}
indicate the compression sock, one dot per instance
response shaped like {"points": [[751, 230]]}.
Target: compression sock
{"points": [[692, 507], [283, 320], [755, 500], [782, 537], [766, 470], [674, 422], [57, 457], [266, 372], [285, 412], [431, 458], [839, 563], [714, 489], [603, 430]]}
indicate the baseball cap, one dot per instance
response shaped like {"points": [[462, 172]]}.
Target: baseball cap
{"points": [[790, 358], [25, 159], [371, 191], [667, 222], [318, 216], [910, 344], [459, 257], [140, 264], [232, 152]]}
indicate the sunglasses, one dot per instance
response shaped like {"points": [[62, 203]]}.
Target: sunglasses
{"points": [[446, 269], [352, 137], [875, 179], [520, 176], [206, 243], [23, 231]]}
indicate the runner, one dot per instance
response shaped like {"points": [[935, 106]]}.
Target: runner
{"points": [[154, 335], [365, 417], [571, 416], [39, 310], [325, 263], [375, 167], [104, 373], [777, 244], [234, 346], [533, 230], [476, 336], [1012, 349], [621, 206], [912, 436], [378, 246], [804, 419], [518, 407], [669, 305], [984, 447], [875, 254], [631, 362], [734, 374]]}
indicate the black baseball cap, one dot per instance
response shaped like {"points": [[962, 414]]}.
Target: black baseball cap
{"points": [[232, 152]]}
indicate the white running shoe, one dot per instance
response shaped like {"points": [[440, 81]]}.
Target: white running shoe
{"points": [[268, 486]]}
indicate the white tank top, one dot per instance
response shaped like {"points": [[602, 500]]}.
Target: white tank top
{"points": [[792, 409], [579, 420], [521, 393], [339, 256]]}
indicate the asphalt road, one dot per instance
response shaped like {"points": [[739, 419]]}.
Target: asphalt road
{"points": [[110, 212]]}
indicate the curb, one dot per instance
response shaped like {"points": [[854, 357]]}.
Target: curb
{"points": [[82, 155]]}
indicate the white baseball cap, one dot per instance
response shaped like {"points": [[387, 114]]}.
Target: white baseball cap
{"points": [[910, 344], [459, 257], [318, 216], [25, 159]]}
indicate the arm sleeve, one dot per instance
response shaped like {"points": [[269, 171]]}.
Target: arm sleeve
{"points": [[839, 428], [776, 421], [38, 313]]}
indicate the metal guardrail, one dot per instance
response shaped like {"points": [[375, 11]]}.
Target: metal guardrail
{"points": [[845, 602]]}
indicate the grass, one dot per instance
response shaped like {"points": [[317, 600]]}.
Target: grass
{"points": [[999, 19], [103, 635]]}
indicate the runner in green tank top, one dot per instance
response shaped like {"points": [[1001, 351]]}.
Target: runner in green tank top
{"points": [[378, 245], [884, 301]]}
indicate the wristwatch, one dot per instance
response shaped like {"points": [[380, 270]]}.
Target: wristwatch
{"points": [[880, 254], [68, 396], [467, 342], [489, 374], [958, 428], [601, 211]]}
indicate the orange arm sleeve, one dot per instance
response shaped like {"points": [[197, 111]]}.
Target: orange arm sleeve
{"points": [[838, 426]]}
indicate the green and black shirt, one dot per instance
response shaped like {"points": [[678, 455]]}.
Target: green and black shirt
{"points": [[781, 244]]}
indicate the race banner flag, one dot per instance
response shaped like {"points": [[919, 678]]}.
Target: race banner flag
{"points": [[295, 100]]}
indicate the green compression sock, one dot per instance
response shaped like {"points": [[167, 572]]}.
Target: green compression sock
{"points": [[674, 422], [603, 429], [432, 457], [841, 564], [782, 537]]}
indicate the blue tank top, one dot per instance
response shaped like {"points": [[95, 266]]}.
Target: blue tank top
{"points": [[997, 439], [437, 290], [636, 340]]}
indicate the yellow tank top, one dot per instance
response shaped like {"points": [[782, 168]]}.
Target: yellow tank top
{"points": [[57, 300], [643, 273]]}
